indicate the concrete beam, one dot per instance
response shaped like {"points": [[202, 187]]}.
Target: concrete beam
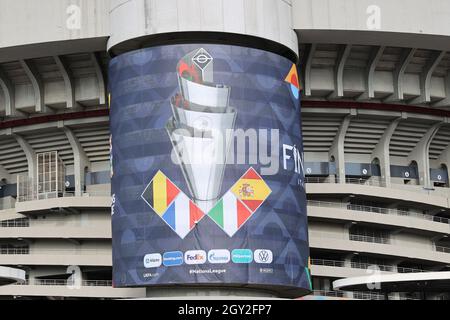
{"points": [[338, 92], [420, 154], [375, 57], [8, 92], [444, 157], [100, 77], [38, 85], [30, 155], [68, 82], [425, 77], [382, 151], [308, 67], [337, 148], [399, 72], [81, 161], [445, 102]]}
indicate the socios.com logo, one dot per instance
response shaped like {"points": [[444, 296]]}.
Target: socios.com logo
{"points": [[242, 256], [219, 256], [195, 257], [174, 258], [153, 260]]}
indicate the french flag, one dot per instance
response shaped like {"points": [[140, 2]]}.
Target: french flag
{"points": [[183, 215]]}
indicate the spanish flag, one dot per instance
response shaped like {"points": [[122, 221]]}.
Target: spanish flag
{"points": [[161, 193], [251, 190]]}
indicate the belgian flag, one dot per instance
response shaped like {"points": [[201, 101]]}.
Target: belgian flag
{"points": [[161, 193]]}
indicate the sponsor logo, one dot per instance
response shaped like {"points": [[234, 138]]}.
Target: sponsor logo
{"points": [[263, 256], [174, 258], [219, 256], [153, 260], [195, 257], [242, 256]]}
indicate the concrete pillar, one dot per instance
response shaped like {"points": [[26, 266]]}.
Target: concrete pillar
{"points": [[81, 161], [30, 155], [381, 152], [337, 149], [420, 154]]}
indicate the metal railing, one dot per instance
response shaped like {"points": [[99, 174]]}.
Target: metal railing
{"points": [[16, 223], [25, 251], [64, 282], [328, 263], [373, 181], [14, 251], [328, 293], [361, 238], [380, 182], [359, 265], [409, 270], [367, 266], [368, 296], [379, 210], [442, 249], [369, 239]]}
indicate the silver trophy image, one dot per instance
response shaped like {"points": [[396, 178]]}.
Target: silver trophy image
{"points": [[201, 127]]}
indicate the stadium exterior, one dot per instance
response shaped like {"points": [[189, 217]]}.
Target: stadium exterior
{"points": [[375, 78]]}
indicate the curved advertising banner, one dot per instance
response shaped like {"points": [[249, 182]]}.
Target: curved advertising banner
{"points": [[207, 169]]}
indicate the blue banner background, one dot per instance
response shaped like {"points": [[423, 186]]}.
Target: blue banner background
{"points": [[141, 86]]}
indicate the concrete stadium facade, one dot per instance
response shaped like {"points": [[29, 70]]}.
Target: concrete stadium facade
{"points": [[375, 114]]}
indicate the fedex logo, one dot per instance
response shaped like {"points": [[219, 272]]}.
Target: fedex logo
{"points": [[195, 257]]}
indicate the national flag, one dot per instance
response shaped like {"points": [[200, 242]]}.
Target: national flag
{"points": [[160, 193], [183, 215], [230, 214], [251, 190]]}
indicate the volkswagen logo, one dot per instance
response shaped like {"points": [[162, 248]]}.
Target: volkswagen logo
{"points": [[263, 256]]}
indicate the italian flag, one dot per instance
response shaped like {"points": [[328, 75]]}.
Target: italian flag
{"points": [[230, 214]]}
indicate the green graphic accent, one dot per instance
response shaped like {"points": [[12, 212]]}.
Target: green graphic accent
{"points": [[216, 213], [309, 278]]}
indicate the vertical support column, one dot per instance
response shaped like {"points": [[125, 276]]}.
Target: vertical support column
{"points": [[382, 153], [68, 82], [338, 92], [445, 102], [375, 57], [420, 154], [425, 78], [30, 155], [308, 67], [81, 161], [37, 84], [100, 77], [337, 148], [9, 94], [407, 56], [444, 158]]}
